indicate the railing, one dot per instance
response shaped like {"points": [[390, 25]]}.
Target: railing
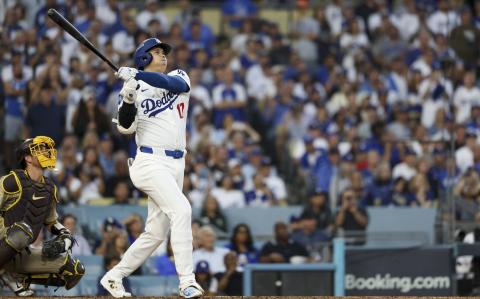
{"points": [[338, 267]]}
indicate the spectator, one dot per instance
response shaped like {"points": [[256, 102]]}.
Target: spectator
{"points": [[465, 96], [208, 251], [89, 116], [401, 196], [378, 193], [230, 282], [351, 218], [105, 155], [37, 124], [235, 12], [121, 173], [464, 37], [326, 170], [121, 193], [464, 155], [467, 192], [273, 181], [212, 214], [406, 169], [123, 41], [111, 228], [226, 196], [241, 243], [81, 246], [283, 249], [134, 226], [152, 12], [88, 182], [310, 236], [259, 195], [108, 263], [443, 20], [205, 279], [228, 98], [318, 205], [118, 246]]}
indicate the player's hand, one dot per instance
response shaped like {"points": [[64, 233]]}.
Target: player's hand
{"points": [[126, 73], [129, 91]]}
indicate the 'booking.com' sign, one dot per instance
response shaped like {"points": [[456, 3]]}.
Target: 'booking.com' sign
{"points": [[390, 272]]}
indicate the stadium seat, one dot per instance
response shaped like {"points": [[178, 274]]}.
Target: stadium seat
{"points": [[88, 285], [95, 215], [93, 264], [260, 220], [149, 267]]}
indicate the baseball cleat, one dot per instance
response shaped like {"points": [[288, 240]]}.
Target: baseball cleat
{"points": [[193, 290], [25, 292], [114, 287]]}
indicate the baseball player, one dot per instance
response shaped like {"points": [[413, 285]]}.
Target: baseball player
{"points": [[154, 106], [28, 203]]}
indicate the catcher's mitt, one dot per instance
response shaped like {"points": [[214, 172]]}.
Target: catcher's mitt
{"points": [[56, 246]]}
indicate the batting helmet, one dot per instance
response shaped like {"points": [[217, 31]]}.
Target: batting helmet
{"points": [[41, 147], [142, 57]]}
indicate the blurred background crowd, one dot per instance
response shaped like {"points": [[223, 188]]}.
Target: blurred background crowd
{"points": [[338, 107]]}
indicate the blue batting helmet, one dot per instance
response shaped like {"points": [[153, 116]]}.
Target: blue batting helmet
{"points": [[142, 57]]}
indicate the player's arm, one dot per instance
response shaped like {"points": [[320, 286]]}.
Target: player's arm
{"points": [[172, 83], [176, 81], [10, 191], [55, 227]]}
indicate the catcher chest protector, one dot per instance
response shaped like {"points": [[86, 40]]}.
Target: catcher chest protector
{"points": [[31, 204]]}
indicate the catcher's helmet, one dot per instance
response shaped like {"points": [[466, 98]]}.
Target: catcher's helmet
{"points": [[41, 147], [142, 57]]}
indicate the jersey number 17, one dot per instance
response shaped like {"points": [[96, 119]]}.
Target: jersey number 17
{"points": [[181, 110]]}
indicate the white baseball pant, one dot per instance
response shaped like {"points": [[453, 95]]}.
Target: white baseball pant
{"points": [[161, 178]]}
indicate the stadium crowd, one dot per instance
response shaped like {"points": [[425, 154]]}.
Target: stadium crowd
{"points": [[355, 106]]}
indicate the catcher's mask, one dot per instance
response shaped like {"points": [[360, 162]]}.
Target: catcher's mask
{"points": [[41, 147]]}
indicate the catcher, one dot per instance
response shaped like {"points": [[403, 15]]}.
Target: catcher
{"points": [[28, 204]]}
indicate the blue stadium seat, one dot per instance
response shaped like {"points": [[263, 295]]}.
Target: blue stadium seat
{"points": [[260, 220], [95, 215], [149, 267], [88, 285], [154, 285], [93, 264], [400, 226]]}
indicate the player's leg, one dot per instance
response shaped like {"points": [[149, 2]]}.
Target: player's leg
{"points": [[64, 271], [175, 205], [156, 230], [17, 237], [188, 288], [156, 176], [15, 285]]}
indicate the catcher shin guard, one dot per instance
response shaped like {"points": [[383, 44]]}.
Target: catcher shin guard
{"points": [[18, 237], [68, 276], [72, 272]]}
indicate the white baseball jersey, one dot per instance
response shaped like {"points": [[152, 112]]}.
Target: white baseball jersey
{"points": [[162, 115]]}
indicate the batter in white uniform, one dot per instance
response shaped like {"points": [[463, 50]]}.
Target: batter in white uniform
{"points": [[154, 106]]}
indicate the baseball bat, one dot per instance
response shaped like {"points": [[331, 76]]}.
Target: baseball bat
{"points": [[67, 26]]}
